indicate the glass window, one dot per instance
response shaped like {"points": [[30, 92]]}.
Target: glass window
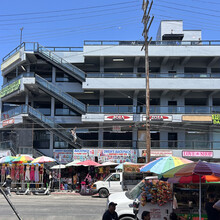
{"points": [[114, 177]]}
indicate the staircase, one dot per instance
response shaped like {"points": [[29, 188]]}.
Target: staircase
{"points": [[59, 62], [45, 122], [57, 93]]}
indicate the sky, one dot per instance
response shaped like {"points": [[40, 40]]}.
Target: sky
{"points": [[70, 22]]}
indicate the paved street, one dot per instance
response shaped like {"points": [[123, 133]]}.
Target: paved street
{"points": [[64, 207]]}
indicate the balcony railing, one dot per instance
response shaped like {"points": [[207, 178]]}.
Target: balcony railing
{"points": [[154, 109], [155, 144], [153, 43], [152, 75]]}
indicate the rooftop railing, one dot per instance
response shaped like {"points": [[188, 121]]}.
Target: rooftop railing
{"points": [[153, 43], [152, 75]]}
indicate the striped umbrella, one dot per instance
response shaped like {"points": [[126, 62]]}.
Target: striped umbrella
{"points": [[7, 159], [43, 159], [164, 164], [23, 159]]}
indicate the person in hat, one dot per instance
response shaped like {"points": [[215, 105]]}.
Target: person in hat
{"points": [[110, 214], [7, 184]]}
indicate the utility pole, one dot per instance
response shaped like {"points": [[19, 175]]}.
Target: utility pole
{"points": [[21, 29], [147, 21]]}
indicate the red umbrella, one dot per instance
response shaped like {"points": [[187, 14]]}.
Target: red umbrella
{"points": [[88, 163]]}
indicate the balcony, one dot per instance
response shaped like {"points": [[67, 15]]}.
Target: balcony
{"points": [[155, 144], [152, 75], [156, 109]]}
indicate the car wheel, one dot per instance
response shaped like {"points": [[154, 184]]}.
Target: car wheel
{"points": [[103, 193], [127, 218]]}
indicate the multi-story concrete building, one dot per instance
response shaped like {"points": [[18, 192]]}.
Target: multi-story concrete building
{"points": [[100, 90]]}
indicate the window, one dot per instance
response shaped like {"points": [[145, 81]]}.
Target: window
{"points": [[114, 177]]}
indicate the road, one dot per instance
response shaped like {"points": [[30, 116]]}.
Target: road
{"points": [[54, 207]]}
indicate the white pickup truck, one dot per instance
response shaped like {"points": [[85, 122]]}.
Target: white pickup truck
{"points": [[117, 182], [125, 201]]}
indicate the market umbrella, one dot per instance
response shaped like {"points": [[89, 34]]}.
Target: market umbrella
{"points": [[7, 159], [43, 159], [60, 166], [120, 166], [73, 163], [87, 163], [23, 159], [164, 164], [105, 164], [199, 168]]}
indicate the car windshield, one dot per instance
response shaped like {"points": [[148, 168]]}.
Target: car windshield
{"points": [[107, 177], [136, 191]]}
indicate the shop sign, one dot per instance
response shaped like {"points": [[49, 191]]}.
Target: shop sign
{"points": [[216, 119], [161, 153], [84, 154], [8, 122], [63, 156], [132, 168], [158, 118], [117, 155], [158, 153], [118, 117], [197, 153], [10, 88]]}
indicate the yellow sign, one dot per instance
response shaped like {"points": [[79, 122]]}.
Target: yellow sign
{"points": [[10, 88], [216, 119]]}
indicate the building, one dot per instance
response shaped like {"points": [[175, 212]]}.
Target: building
{"points": [[100, 90]]}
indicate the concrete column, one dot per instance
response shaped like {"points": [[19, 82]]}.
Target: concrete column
{"points": [[135, 101], [100, 136], [181, 137], [102, 64], [209, 70], [51, 143], [101, 100], [164, 139], [164, 102], [26, 98], [180, 104], [5, 80], [16, 71], [52, 113], [134, 137], [53, 74], [28, 68]]}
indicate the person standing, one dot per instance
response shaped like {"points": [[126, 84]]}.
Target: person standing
{"points": [[212, 213], [110, 214], [7, 183]]}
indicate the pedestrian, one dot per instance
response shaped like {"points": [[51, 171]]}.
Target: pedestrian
{"points": [[7, 183], [110, 214], [145, 215], [212, 213], [73, 133]]}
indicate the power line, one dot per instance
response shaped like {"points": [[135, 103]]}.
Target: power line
{"points": [[64, 10]]}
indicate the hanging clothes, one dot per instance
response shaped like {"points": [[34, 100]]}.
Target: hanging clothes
{"points": [[41, 172], [3, 173], [36, 174], [32, 173], [21, 172], [27, 173], [17, 173], [13, 172]]}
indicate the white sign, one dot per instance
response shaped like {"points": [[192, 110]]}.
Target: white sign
{"points": [[118, 118], [158, 118], [161, 153], [197, 153]]}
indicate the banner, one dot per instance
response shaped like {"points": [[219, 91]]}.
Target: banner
{"points": [[84, 154], [117, 156], [10, 88], [66, 156], [197, 154], [216, 119], [132, 168]]}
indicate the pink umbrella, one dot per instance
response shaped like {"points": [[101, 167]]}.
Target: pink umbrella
{"points": [[88, 163]]}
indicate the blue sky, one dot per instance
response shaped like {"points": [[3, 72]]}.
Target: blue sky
{"points": [[70, 22]]}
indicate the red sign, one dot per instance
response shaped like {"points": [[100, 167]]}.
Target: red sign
{"points": [[8, 122], [197, 153], [118, 117], [158, 118]]}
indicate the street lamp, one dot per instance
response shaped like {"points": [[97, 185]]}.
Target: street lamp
{"points": [[21, 29]]}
